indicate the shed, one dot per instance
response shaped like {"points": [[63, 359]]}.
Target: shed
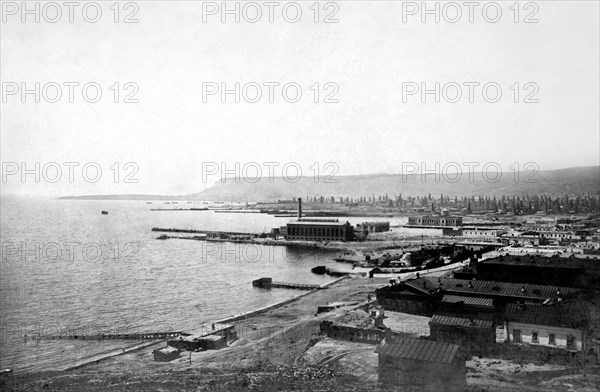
{"points": [[166, 354], [213, 342], [421, 364], [474, 335]]}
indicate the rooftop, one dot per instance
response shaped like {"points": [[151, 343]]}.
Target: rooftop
{"points": [[487, 287], [167, 350], [545, 261], [460, 322], [316, 223], [558, 315], [418, 350], [475, 301]]}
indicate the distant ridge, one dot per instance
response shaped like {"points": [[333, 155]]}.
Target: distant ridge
{"points": [[562, 181]]}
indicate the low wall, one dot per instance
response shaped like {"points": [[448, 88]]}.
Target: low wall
{"points": [[352, 334]]}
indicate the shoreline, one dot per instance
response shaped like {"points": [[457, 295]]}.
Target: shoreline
{"points": [[95, 359]]}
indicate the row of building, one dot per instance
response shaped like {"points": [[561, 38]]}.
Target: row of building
{"points": [[534, 300]]}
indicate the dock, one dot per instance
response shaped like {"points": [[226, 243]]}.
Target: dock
{"points": [[268, 283]]}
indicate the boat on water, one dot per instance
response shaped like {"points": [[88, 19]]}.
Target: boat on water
{"points": [[148, 202], [104, 212]]}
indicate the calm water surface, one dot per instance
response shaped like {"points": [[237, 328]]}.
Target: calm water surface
{"points": [[68, 269]]}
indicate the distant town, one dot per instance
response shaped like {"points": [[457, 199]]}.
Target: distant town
{"points": [[464, 282]]}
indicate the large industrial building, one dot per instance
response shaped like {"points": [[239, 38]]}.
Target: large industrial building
{"points": [[310, 229], [317, 229]]}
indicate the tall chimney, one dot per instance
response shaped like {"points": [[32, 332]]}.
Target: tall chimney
{"points": [[299, 207]]}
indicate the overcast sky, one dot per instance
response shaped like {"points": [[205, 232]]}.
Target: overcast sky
{"points": [[368, 54]]}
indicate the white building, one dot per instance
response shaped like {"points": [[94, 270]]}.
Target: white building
{"points": [[485, 233], [544, 325]]}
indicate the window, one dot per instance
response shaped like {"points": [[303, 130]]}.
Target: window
{"points": [[570, 342], [534, 337], [551, 339], [517, 335]]}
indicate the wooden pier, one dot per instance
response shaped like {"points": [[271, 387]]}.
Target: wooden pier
{"points": [[268, 283], [120, 336]]}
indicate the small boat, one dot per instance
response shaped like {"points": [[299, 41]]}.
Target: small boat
{"points": [[319, 270], [104, 212]]}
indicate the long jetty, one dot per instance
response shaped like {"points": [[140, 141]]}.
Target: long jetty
{"points": [[212, 232], [268, 283], [119, 336]]}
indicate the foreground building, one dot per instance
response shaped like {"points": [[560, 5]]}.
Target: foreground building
{"points": [[410, 364]]}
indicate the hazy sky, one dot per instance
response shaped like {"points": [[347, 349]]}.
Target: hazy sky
{"points": [[368, 54]]}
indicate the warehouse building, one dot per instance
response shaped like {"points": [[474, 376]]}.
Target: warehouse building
{"points": [[566, 271], [422, 296]]}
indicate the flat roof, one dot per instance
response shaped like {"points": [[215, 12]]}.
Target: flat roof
{"points": [[418, 349]]}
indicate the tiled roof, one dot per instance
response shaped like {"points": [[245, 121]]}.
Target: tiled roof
{"points": [[545, 261], [557, 315], [476, 301], [418, 349], [460, 322], [487, 287]]}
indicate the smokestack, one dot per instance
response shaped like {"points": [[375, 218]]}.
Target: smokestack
{"points": [[299, 207]]}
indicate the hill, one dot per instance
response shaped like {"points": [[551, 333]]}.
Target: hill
{"points": [[552, 182]]}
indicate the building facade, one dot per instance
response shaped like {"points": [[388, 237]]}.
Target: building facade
{"points": [[486, 233], [542, 325], [434, 220]]}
